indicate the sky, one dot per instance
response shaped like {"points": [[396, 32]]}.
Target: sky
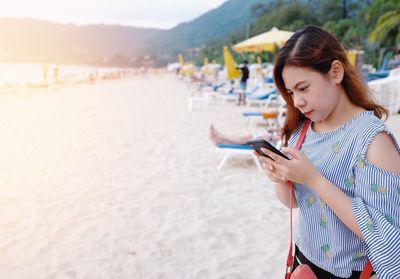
{"points": [[162, 14]]}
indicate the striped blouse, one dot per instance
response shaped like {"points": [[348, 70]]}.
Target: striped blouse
{"points": [[320, 235]]}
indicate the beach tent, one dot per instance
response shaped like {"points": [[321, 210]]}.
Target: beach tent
{"points": [[267, 41], [230, 65]]}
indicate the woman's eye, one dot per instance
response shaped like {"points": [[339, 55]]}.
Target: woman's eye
{"points": [[303, 88]]}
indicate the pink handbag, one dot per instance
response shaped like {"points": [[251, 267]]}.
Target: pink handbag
{"points": [[303, 271]]}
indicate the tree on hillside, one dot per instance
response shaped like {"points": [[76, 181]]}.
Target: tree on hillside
{"points": [[387, 29], [285, 16], [339, 9], [379, 7]]}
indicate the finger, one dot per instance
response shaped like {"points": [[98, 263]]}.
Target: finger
{"points": [[268, 168], [273, 177], [265, 159], [275, 157], [278, 178], [270, 171], [292, 151], [269, 163]]}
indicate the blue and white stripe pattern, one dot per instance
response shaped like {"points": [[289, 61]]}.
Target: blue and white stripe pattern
{"points": [[320, 235]]}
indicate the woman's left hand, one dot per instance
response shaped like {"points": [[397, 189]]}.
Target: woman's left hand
{"points": [[299, 169]]}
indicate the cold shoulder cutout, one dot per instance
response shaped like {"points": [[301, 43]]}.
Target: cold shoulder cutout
{"points": [[384, 153]]}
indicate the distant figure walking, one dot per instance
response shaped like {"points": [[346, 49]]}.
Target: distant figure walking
{"points": [[243, 82], [45, 73], [55, 75]]}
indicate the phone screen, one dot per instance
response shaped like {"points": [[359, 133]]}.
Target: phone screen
{"points": [[258, 144]]}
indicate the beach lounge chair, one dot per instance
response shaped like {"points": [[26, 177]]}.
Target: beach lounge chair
{"points": [[272, 117], [386, 91], [233, 95], [383, 70], [264, 99], [201, 96], [252, 116], [196, 97], [239, 151], [235, 150]]}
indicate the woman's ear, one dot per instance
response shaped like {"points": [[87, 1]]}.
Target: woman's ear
{"points": [[336, 72]]}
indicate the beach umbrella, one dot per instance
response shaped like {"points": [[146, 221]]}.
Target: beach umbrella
{"points": [[230, 65], [205, 66], [182, 63], [267, 41], [180, 59], [352, 56]]}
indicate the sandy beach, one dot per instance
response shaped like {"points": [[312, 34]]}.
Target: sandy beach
{"points": [[119, 180]]}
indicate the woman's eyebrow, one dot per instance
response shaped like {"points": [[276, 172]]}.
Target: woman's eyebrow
{"points": [[297, 85]]}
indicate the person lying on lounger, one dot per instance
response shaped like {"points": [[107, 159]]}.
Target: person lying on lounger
{"points": [[272, 135]]}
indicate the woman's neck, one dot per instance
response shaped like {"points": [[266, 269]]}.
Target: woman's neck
{"points": [[341, 114]]}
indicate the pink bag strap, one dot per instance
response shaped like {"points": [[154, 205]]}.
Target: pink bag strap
{"points": [[289, 261], [367, 270]]}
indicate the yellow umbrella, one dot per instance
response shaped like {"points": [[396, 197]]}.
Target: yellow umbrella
{"points": [[205, 66], [182, 63], [230, 64], [352, 56], [266, 41]]}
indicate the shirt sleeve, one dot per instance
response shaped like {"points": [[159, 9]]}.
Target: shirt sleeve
{"points": [[376, 205]]}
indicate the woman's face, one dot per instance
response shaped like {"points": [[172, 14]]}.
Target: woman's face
{"points": [[314, 94]]}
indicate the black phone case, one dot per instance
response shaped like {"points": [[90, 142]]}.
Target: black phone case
{"points": [[258, 144]]}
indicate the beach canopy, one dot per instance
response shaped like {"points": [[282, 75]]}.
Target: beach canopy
{"points": [[267, 41], [230, 65]]}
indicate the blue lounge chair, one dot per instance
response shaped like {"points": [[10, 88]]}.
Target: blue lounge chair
{"points": [[229, 150]]}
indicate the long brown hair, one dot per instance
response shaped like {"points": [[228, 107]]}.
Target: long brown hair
{"points": [[315, 48]]}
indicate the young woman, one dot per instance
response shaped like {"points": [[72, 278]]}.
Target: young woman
{"points": [[347, 173]]}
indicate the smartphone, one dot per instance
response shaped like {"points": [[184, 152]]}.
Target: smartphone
{"points": [[258, 144]]}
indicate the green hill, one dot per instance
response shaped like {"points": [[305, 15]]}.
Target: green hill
{"points": [[28, 40], [218, 23]]}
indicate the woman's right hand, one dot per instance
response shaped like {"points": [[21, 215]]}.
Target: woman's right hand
{"points": [[281, 184], [269, 169]]}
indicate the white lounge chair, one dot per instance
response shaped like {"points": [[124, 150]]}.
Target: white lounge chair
{"points": [[234, 150], [386, 92], [275, 118], [264, 99]]}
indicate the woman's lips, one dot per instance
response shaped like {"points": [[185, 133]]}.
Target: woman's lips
{"points": [[307, 114]]}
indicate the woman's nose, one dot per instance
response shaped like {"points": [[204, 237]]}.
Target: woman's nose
{"points": [[298, 101]]}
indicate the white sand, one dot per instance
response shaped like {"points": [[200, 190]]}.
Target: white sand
{"points": [[118, 180]]}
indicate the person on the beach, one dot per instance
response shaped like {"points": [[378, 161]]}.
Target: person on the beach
{"points": [[347, 174], [272, 135], [243, 82]]}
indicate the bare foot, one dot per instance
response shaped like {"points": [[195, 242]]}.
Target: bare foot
{"points": [[213, 134]]}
